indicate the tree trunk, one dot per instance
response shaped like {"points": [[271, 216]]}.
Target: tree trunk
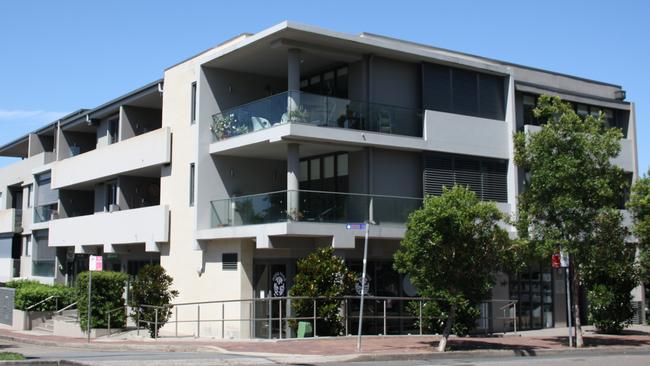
{"points": [[445, 333], [575, 293]]}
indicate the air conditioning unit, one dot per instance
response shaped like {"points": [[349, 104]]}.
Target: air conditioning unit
{"points": [[113, 208]]}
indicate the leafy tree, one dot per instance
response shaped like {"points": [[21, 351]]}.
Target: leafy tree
{"points": [[610, 275], [451, 249], [570, 181], [639, 206], [107, 294], [152, 287], [322, 274]]}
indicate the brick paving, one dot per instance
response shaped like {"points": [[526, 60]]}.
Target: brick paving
{"points": [[526, 343]]}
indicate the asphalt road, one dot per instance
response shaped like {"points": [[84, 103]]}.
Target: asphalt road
{"points": [[134, 358]]}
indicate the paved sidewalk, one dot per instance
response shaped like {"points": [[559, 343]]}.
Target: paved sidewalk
{"points": [[344, 348]]}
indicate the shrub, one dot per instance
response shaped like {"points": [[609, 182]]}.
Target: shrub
{"points": [[434, 315], [609, 310], [152, 287], [322, 274], [29, 293], [107, 294]]}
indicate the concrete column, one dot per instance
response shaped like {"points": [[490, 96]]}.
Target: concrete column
{"points": [[293, 168], [293, 80]]}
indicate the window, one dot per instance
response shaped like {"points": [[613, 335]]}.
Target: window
{"points": [[529, 103], [193, 106], [454, 90], [30, 201], [192, 172], [486, 177], [332, 82], [229, 261], [113, 130], [325, 173]]}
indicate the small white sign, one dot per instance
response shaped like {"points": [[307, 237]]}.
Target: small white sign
{"points": [[279, 284], [96, 263], [564, 259], [366, 285]]}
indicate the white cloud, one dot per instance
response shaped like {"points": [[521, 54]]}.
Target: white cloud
{"points": [[32, 117]]}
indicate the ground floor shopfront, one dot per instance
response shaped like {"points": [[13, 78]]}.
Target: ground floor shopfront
{"points": [[237, 270]]}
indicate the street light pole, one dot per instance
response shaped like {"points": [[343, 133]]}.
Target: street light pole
{"points": [[363, 285]]}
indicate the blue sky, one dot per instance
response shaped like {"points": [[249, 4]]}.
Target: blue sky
{"points": [[59, 56]]}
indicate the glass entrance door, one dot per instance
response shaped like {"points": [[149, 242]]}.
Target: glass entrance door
{"points": [[271, 280]]}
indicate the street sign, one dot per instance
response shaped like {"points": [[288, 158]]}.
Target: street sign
{"points": [[560, 260], [357, 226], [564, 259], [96, 263], [555, 260]]}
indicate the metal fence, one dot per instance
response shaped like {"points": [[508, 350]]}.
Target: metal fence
{"points": [[275, 317]]}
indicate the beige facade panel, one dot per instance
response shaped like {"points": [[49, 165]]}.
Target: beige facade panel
{"points": [[145, 151]]}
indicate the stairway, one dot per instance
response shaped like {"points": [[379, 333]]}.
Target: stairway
{"points": [[48, 326]]}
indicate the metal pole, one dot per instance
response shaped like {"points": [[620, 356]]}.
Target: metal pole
{"points": [[90, 284], [568, 306], [176, 315], [345, 313], [363, 286], [385, 317], [198, 321], [137, 321], [420, 317], [270, 311], [315, 318], [515, 315], [109, 324], [280, 319], [155, 324], [223, 320]]}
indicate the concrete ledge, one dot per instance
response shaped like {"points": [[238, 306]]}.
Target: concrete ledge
{"points": [[23, 320]]}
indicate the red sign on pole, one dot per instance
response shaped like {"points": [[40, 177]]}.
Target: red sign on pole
{"points": [[95, 263], [556, 260]]}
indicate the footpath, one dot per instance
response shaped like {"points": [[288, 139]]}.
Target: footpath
{"points": [[326, 349]]}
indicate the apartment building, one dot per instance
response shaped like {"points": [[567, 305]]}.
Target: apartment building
{"points": [[246, 157]]}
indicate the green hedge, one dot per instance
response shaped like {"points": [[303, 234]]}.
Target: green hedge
{"points": [[29, 293], [107, 294]]}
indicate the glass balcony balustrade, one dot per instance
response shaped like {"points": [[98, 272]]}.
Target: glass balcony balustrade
{"points": [[316, 110], [45, 213], [312, 206]]}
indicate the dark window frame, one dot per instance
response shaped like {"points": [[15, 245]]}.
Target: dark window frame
{"points": [[193, 105], [192, 181]]}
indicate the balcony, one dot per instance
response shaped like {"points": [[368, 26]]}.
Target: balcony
{"points": [[148, 150], [313, 207], [147, 225], [45, 213], [11, 221], [316, 110]]}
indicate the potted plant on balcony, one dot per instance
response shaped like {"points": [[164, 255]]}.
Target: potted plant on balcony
{"points": [[298, 115], [225, 126]]}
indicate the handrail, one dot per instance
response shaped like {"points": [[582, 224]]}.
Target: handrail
{"points": [[282, 320], [108, 317], [511, 303], [59, 312], [44, 300]]}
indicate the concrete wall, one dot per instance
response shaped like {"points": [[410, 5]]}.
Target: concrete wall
{"points": [[75, 203], [84, 141], [458, 134], [148, 225], [136, 192], [135, 121], [39, 144], [18, 173], [395, 83], [101, 134], [144, 151], [397, 173]]}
